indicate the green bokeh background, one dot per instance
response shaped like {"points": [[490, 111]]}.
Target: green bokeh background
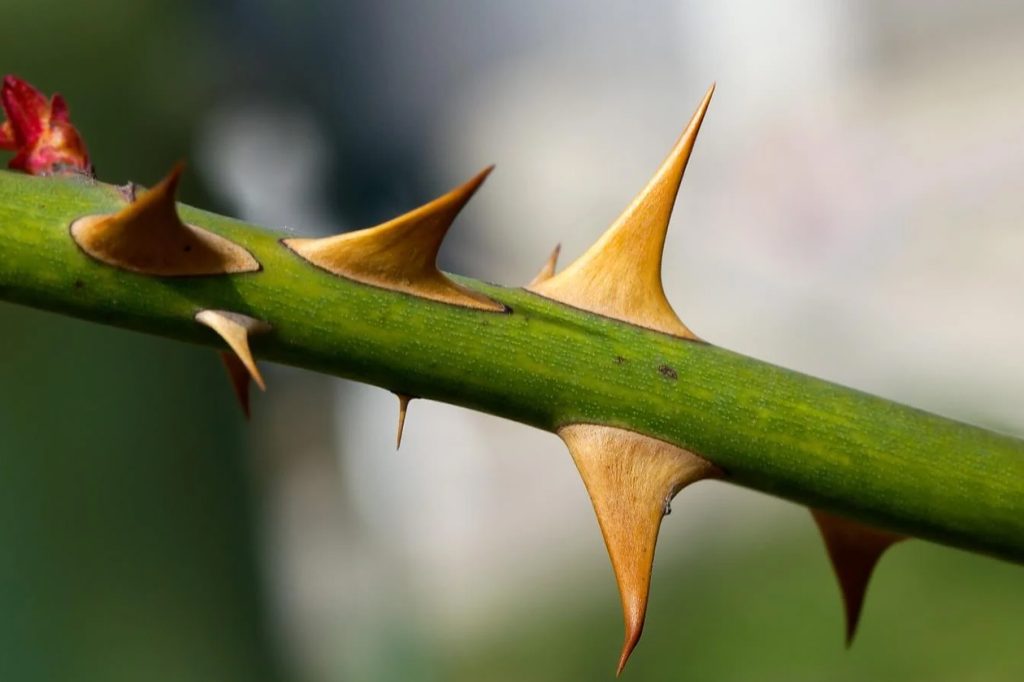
{"points": [[129, 503]]}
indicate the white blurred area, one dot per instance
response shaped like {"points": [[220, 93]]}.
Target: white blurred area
{"points": [[853, 210]]}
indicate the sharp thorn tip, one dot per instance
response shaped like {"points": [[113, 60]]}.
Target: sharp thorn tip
{"points": [[403, 407], [854, 550], [238, 375], [632, 639], [549, 267]]}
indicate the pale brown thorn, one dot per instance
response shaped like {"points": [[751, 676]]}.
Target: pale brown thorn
{"points": [[548, 271], [854, 550], [147, 236], [239, 377], [631, 478], [620, 275], [235, 329], [401, 254], [403, 407]]}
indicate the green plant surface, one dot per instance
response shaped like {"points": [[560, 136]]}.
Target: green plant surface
{"points": [[544, 364]]}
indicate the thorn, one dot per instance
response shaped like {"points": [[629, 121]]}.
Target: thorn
{"points": [[235, 329], [401, 254], [238, 374], [147, 236], [403, 407], [620, 275], [129, 190], [854, 550], [548, 271], [630, 478]]}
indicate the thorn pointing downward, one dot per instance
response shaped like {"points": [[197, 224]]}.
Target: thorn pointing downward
{"points": [[631, 478], [238, 375], [403, 407], [548, 271], [854, 550], [620, 275], [401, 254], [235, 329], [148, 237]]}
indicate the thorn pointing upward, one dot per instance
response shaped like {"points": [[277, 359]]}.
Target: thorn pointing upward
{"points": [[403, 407], [854, 550], [620, 275], [631, 478], [548, 271], [401, 254], [148, 237]]}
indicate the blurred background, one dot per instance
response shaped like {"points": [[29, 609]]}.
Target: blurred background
{"points": [[853, 210]]}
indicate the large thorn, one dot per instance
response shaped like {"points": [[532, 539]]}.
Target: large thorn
{"points": [[401, 254], [854, 550], [403, 407], [548, 271], [631, 478], [148, 237], [620, 275], [235, 329]]}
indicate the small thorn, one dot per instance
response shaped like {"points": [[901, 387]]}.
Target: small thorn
{"points": [[239, 377], [401, 254], [548, 271], [129, 191], [629, 477], [235, 329], [620, 275], [403, 407], [147, 236], [854, 550]]}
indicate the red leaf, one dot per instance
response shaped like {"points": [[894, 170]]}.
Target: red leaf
{"points": [[40, 131]]}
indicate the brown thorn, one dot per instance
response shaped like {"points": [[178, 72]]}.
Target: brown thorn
{"points": [[631, 478], [854, 550], [548, 271], [620, 275], [401, 254], [147, 236], [234, 329], [403, 407], [239, 377]]}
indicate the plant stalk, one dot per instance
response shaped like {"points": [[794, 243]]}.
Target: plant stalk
{"points": [[546, 365]]}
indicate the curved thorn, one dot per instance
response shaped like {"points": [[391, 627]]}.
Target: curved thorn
{"points": [[235, 329], [401, 254], [631, 478], [147, 236], [854, 550], [620, 275]]}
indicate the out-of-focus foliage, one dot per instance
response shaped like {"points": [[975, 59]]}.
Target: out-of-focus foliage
{"points": [[125, 491], [772, 613], [124, 511]]}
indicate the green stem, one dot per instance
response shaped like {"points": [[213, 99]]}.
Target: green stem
{"points": [[546, 365]]}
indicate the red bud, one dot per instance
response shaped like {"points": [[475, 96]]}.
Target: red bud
{"points": [[40, 131]]}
